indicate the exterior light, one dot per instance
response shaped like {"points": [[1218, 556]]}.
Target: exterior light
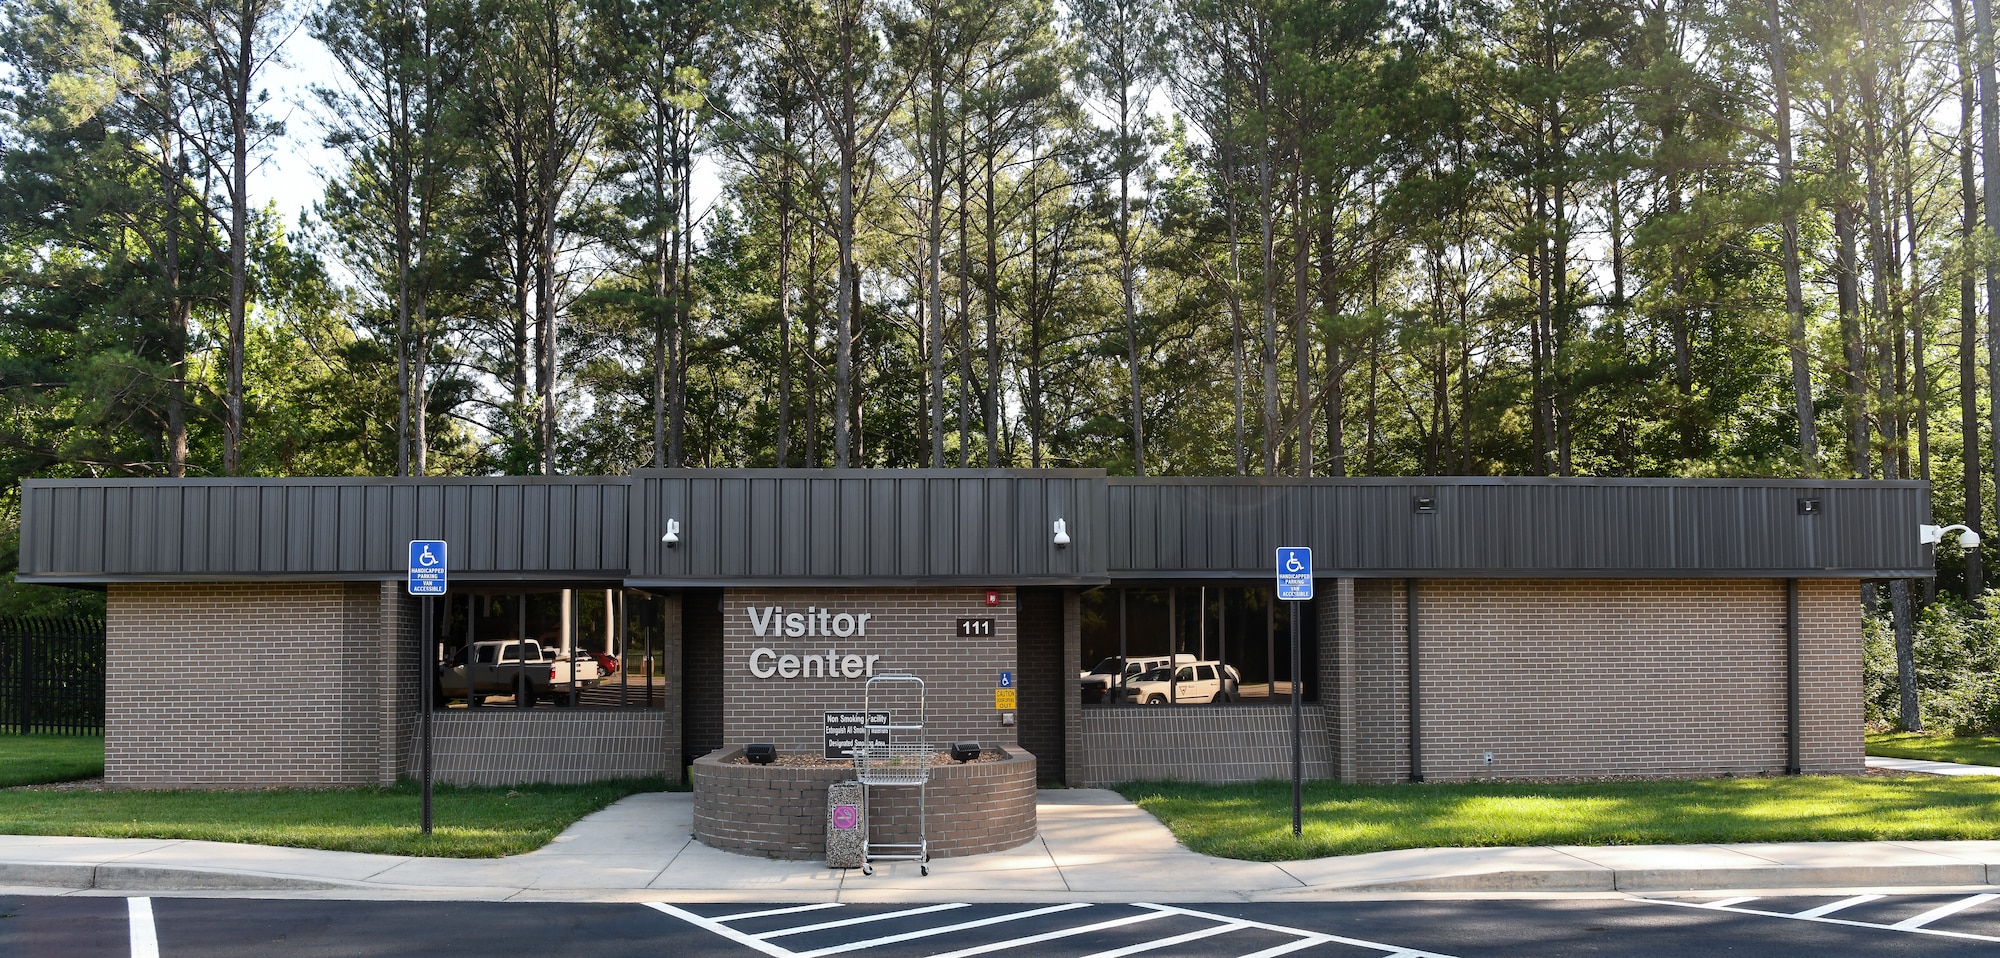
{"points": [[673, 535], [964, 751], [1062, 533], [1932, 535], [760, 753]]}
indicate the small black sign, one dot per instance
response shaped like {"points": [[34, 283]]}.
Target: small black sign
{"points": [[975, 628], [847, 729]]}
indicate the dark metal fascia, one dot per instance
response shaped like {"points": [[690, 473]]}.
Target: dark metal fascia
{"points": [[776, 582]]}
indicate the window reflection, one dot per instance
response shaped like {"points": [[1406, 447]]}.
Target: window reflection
{"points": [[549, 648], [1192, 645]]}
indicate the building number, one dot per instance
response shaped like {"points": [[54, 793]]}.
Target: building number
{"points": [[970, 628]]}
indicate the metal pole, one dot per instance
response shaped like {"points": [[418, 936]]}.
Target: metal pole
{"points": [[1298, 721], [1793, 762], [429, 680]]}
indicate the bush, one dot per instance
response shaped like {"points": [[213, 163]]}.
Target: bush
{"points": [[1957, 649]]}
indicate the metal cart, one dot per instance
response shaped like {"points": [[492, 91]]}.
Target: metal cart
{"points": [[903, 761]]}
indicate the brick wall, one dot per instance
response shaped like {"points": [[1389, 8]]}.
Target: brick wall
{"points": [[509, 747], [1042, 680], [912, 629], [779, 811], [701, 672], [234, 684], [1200, 743], [1597, 677]]}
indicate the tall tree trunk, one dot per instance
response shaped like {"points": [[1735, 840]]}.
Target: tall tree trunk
{"points": [[1989, 138], [785, 298], [1302, 236], [1968, 303], [1910, 715], [242, 74], [1795, 309]]}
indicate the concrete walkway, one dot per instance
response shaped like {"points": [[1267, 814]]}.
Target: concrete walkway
{"points": [[1927, 767], [1094, 846]]}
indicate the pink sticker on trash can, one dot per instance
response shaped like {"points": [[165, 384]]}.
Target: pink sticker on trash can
{"points": [[846, 816]]}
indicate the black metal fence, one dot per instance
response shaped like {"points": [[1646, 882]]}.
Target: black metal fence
{"points": [[52, 675]]}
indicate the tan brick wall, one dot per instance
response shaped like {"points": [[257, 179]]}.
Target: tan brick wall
{"points": [[780, 811], [1601, 677], [234, 684], [912, 629]]}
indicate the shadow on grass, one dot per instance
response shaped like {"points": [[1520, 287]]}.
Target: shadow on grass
{"points": [[1254, 821]]}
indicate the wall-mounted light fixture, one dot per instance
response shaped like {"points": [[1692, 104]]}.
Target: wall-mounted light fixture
{"points": [[673, 535], [1932, 535], [1062, 533]]}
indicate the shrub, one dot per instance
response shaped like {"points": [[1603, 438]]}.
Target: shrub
{"points": [[1957, 649]]}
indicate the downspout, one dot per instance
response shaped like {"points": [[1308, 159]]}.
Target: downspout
{"points": [[1792, 764], [1416, 684]]}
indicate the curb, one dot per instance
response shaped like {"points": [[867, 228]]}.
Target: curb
{"points": [[157, 878], [1693, 879]]}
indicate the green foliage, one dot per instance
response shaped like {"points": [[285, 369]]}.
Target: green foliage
{"points": [[39, 758], [473, 822], [1253, 821], [1957, 648]]}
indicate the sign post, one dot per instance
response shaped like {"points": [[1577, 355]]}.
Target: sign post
{"points": [[427, 581], [1295, 585]]}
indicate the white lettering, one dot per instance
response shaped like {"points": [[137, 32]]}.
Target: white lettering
{"points": [[763, 671], [788, 666], [861, 624], [795, 624], [871, 664], [843, 625], [810, 622], [759, 625], [815, 667], [850, 666]]}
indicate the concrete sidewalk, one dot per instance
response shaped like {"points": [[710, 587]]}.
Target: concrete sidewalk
{"points": [[1094, 846]]}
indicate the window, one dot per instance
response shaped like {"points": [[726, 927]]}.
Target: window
{"points": [[1198, 644]]}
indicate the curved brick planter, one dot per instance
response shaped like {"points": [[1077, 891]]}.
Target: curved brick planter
{"points": [[777, 811]]}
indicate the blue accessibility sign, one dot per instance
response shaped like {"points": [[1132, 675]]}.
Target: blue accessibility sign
{"points": [[1295, 573], [427, 567], [1006, 680]]}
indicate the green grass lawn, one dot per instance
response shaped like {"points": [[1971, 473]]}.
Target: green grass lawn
{"points": [[34, 759], [1964, 749], [1255, 821], [467, 822]]}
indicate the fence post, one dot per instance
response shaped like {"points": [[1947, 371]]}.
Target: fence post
{"points": [[27, 677]]}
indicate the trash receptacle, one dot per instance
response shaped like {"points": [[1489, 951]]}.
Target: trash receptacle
{"points": [[846, 829]]}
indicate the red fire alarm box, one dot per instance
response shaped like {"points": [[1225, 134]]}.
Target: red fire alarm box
{"points": [[992, 597]]}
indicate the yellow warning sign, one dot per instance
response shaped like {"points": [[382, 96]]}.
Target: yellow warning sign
{"points": [[1003, 700]]}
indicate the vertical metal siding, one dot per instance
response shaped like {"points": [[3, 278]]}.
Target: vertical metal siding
{"points": [[1179, 527]]}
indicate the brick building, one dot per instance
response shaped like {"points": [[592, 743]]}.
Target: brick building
{"points": [[258, 631]]}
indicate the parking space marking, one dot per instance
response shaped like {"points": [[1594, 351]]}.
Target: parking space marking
{"points": [[1728, 902], [1825, 919], [1052, 935], [863, 920], [940, 930], [1829, 909], [795, 909], [1912, 924], [1181, 939], [145, 941], [721, 929], [1318, 937], [1215, 926]]}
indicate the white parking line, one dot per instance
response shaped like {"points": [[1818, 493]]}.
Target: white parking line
{"points": [[940, 930], [1829, 909], [1181, 939], [718, 928], [1319, 937], [145, 942], [1822, 919], [863, 920], [1912, 924], [1726, 902], [1052, 935], [779, 911]]}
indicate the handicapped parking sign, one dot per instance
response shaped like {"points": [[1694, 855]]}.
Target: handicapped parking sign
{"points": [[427, 567], [1295, 573]]}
